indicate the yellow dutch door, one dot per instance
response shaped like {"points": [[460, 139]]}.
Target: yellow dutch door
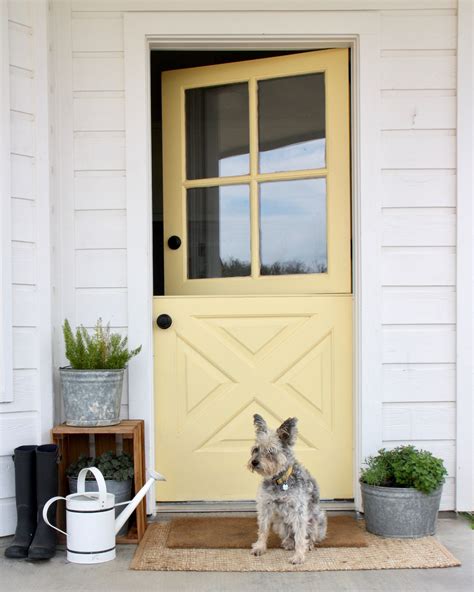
{"points": [[257, 235]]}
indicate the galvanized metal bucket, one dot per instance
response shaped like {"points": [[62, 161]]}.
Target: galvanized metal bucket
{"points": [[400, 512], [122, 491], [91, 397]]}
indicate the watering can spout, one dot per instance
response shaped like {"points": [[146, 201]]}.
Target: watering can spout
{"points": [[125, 515]]}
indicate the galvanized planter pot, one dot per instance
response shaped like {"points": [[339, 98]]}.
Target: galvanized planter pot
{"points": [[121, 489], [91, 397], [400, 512]]}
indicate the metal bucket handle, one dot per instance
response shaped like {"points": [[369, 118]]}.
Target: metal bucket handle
{"points": [[81, 483]]}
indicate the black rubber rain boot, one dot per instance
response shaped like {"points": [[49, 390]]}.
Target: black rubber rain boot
{"points": [[44, 541], [24, 458]]}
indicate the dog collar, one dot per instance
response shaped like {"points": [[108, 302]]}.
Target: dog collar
{"points": [[284, 478]]}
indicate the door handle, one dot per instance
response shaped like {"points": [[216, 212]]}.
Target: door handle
{"points": [[164, 321], [174, 242]]}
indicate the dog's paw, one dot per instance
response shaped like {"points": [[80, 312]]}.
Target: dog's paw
{"points": [[297, 559], [257, 550]]}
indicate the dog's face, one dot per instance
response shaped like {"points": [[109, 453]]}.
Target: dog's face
{"points": [[272, 452]]}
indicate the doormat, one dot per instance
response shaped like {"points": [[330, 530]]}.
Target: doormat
{"points": [[153, 555], [241, 532]]}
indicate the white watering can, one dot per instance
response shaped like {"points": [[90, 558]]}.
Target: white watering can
{"points": [[90, 518]]}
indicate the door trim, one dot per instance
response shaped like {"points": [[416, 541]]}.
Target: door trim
{"points": [[358, 31]]}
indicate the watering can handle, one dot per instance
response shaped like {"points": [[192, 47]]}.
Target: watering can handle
{"points": [[45, 512], [81, 483]]}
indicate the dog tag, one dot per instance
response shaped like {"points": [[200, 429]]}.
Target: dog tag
{"points": [[284, 486]]}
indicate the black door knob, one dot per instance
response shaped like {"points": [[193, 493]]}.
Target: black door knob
{"points": [[174, 242], [164, 321]]}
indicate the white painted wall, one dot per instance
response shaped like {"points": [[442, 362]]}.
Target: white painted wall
{"points": [[418, 62], [90, 220], [26, 410], [418, 200]]}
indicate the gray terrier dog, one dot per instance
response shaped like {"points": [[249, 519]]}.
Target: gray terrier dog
{"points": [[288, 497]]}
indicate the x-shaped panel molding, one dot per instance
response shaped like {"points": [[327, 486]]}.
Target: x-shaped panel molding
{"points": [[234, 366]]}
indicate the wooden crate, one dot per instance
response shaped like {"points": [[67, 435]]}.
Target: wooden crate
{"points": [[74, 441]]}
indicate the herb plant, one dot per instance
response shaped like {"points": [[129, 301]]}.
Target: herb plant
{"points": [[116, 467], [404, 466], [102, 350]]}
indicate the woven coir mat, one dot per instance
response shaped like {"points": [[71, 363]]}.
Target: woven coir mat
{"points": [[153, 555], [240, 532]]}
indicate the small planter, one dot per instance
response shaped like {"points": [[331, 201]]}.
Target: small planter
{"points": [[400, 512], [91, 397], [121, 489]]}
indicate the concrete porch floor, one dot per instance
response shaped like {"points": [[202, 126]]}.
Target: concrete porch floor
{"points": [[58, 575]]}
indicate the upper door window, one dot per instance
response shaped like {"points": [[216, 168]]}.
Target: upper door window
{"points": [[291, 123], [257, 183]]}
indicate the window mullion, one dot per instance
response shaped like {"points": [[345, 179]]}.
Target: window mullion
{"points": [[254, 209]]}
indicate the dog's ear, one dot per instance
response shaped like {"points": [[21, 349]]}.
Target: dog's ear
{"points": [[260, 424], [288, 431]]}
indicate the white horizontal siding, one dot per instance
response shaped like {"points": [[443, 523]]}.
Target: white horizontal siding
{"points": [[418, 266], [418, 149], [7, 477], [20, 12], [418, 306], [418, 66], [21, 46], [100, 229], [26, 419], [419, 227], [101, 268], [99, 190], [97, 261], [7, 516], [24, 263], [98, 73], [410, 344], [418, 110], [25, 348], [99, 113], [25, 306], [87, 8], [108, 304], [23, 220], [97, 34], [18, 429], [22, 177], [418, 382], [419, 421], [99, 151], [419, 188], [407, 31], [21, 90], [26, 387], [412, 71], [22, 134]]}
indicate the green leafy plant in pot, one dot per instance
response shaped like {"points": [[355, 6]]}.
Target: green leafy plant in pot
{"points": [[401, 492], [92, 385], [117, 470]]}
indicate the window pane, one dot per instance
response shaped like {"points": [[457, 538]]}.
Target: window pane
{"points": [[291, 123], [293, 227], [217, 131], [218, 231]]}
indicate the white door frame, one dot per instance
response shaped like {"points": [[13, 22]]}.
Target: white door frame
{"points": [[261, 30]]}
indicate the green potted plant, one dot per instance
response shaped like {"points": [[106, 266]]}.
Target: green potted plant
{"points": [[401, 492], [92, 385], [117, 470]]}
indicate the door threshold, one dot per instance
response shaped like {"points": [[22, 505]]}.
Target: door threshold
{"points": [[237, 506]]}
